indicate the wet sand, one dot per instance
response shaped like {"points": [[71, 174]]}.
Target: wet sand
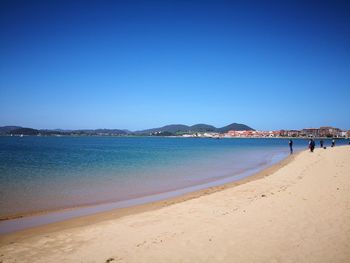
{"points": [[295, 211]]}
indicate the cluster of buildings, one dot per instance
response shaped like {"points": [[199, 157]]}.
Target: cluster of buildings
{"points": [[329, 132], [324, 132], [253, 134]]}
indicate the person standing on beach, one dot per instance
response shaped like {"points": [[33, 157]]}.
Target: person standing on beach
{"points": [[321, 143], [291, 146], [312, 145], [333, 143]]}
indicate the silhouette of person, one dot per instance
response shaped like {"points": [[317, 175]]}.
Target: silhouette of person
{"points": [[321, 143], [291, 146], [312, 145], [333, 143]]}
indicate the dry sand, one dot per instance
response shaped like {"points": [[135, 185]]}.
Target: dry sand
{"points": [[299, 213]]}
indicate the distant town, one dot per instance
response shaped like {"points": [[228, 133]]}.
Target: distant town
{"points": [[233, 130], [322, 132]]}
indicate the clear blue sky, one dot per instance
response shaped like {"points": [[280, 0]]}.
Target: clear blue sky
{"points": [[143, 64]]}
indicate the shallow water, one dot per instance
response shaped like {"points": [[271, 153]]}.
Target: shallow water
{"points": [[50, 173]]}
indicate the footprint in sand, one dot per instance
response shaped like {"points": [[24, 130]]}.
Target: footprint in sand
{"points": [[141, 244]]}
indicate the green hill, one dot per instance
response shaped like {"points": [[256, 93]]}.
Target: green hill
{"points": [[181, 128], [236, 127], [167, 130], [6, 129]]}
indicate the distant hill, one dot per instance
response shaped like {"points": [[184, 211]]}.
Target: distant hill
{"points": [[174, 128], [7, 129], [85, 132], [202, 128], [235, 127], [180, 128], [112, 131], [17, 130], [161, 131], [24, 131]]}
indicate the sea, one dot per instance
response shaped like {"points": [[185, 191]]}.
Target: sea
{"points": [[74, 176]]}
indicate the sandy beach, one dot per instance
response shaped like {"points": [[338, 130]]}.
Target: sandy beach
{"points": [[296, 211]]}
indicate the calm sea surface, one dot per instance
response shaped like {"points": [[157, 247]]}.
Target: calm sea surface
{"points": [[49, 173]]}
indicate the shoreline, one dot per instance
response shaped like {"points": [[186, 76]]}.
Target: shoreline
{"points": [[133, 209], [180, 136], [201, 185], [22, 201], [296, 211]]}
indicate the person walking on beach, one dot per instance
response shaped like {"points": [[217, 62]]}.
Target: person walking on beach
{"points": [[333, 143], [321, 143], [291, 146]]}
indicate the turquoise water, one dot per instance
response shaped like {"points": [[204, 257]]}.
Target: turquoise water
{"points": [[49, 173]]}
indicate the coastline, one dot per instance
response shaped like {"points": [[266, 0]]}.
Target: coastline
{"points": [[95, 217], [88, 181], [300, 210], [69, 206], [27, 219]]}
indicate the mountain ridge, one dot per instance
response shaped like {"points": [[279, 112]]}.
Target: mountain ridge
{"points": [[169, 129], [174, 128]]}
